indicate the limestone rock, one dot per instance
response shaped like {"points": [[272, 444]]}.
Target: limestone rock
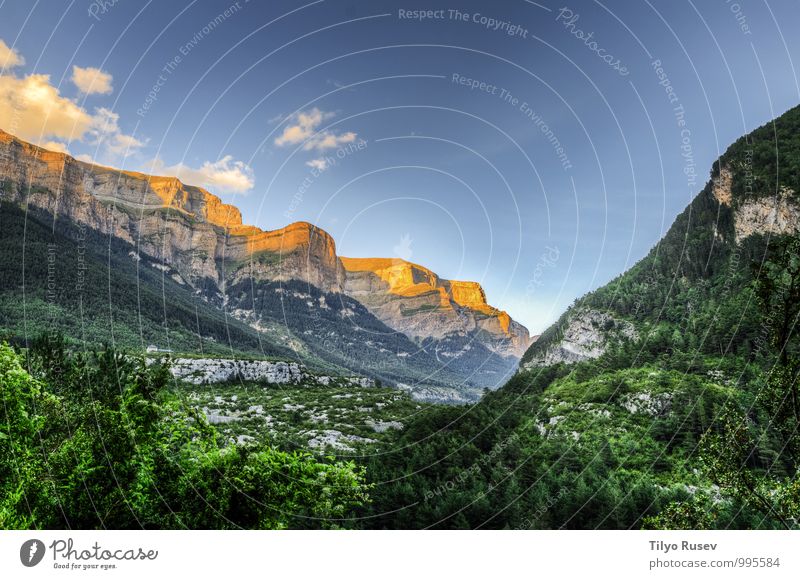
{"points": [[218, 370], [776, 215], [414, 300], [585, 337]]}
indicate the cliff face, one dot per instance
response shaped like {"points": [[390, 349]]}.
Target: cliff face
{"points": [[414, 300], [185, 227], [204, 243]]}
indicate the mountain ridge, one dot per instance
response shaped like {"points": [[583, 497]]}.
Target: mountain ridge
{"points": [[202, 243], [149, 192], [695, 268]]}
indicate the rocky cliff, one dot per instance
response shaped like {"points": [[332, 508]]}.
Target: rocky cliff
{"points": [[202, 243], [585, 335], [187, 228], [414, 300]]}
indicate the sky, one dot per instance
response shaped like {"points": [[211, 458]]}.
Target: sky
{"points": [[540, 148]]}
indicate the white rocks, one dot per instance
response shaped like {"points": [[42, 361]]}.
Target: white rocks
{"points": [[334, 439], [381, 426], [647, 403], [321, 418], [585, 337], [598, 412], [777, 215], [217, 370], [214, 418]]}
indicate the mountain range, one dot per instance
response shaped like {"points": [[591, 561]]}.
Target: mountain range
{"points": [[665, 398], [282, 293]]}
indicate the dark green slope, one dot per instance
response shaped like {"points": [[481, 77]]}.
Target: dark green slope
{"points": [[614, 441], [90, 287], [692, 291]]}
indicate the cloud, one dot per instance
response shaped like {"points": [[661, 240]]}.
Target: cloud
{"points": [[56, 146], [303, 129], [34, 110], [225, 175], [318, 164], [324, 141], [304, 125], [92, 80], [9, 57], [105, 134]]}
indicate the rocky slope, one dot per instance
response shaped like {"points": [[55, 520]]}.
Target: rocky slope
{"points": [[221, 370], [693, 290], [202, 244], [586, 335]]}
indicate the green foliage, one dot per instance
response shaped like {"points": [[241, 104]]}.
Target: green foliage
{"points": [[765, 160], [551, 451], [754, 457], [98, 440]]}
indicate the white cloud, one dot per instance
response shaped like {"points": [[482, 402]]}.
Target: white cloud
{"points": [[105, 134], [34, 110], [225, 175], [92, 80], [56, 146], [318, 164], [324, 141], [303, 126], [303, 129], [9, 57]]}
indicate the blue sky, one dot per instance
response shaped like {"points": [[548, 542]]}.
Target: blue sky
{"points": [[530, 146]]}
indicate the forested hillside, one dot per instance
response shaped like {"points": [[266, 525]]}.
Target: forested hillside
{"points": [[667, 398]]}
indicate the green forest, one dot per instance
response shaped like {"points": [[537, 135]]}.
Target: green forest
{"points": [[101, 439]]}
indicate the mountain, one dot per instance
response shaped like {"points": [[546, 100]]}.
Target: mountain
{"points": [[287, 289], [414, 300], [692, 291], [652, 401]]}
